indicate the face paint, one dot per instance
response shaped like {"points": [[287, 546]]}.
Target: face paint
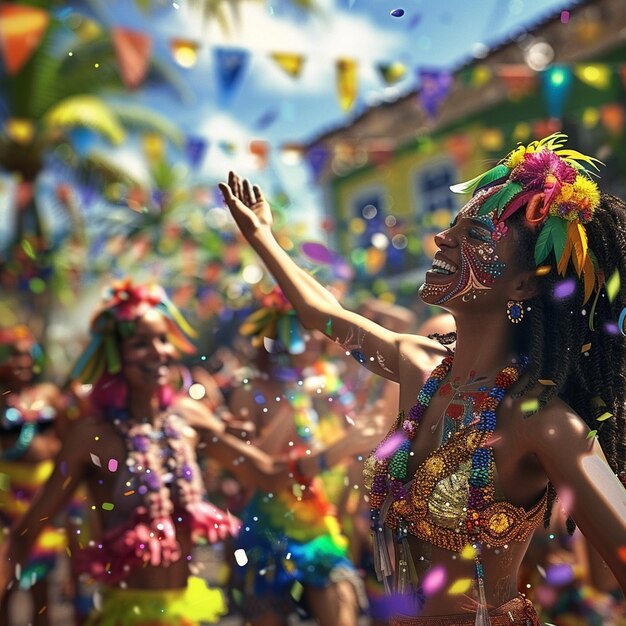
{"points": [[479, 265]]}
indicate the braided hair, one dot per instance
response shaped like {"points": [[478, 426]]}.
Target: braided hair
{"points": [[579, 348]]}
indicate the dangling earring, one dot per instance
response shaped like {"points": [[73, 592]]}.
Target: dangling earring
{"points": [[515, 311]]}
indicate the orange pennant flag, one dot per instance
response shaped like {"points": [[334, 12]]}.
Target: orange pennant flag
{"points": [[346, 83], [132, 49], [291, 63], [21, 30]]}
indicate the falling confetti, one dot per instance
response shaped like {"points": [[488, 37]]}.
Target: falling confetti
{"points": [[530, 406], [547, 382], [108, 506], [460, 586], [564, 17], [434, 580], [591, 434], [613, 285], [605, 416], [565, 289], [468, 552], [389, 447], [241, 557], [397, 13], [95, 459], [5, 482], [542, 270], [586, 347], [112, 465]]}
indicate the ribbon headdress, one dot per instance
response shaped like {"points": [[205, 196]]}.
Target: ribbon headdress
{"points": [[275, 320], [124, 303], [570, 199]]}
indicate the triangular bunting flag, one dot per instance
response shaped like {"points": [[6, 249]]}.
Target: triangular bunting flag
{"points": [[259, 150], [434, 88], [132, 49], [317, 158], [391, 72], [346, 83], [21, 30], [230, 65], [518, 80], [597, 75], [195, 149], [290, 63]]}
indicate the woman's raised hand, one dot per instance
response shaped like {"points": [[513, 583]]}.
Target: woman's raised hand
{"points": [[247, 205]]}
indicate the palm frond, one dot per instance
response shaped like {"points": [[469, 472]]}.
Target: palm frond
{"points": [[139, 118], [89, 111]]}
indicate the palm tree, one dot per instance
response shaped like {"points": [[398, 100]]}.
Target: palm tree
{"points": [[59, 89]]}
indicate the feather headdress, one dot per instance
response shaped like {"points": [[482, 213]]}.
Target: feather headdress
{"points": [[571, 196], [123, 304], [275, 320]]}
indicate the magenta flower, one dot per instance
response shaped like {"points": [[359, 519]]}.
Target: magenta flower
{"points": [[532, 172]]}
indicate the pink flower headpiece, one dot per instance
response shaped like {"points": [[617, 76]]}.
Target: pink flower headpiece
{"points": [[570, 197]]}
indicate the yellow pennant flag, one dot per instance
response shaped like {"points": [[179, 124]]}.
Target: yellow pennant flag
{"points": [[597, 75], [184, 51], [21, 30], [290, 63], [346, 83]]}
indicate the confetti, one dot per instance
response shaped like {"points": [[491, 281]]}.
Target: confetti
{"points": [[591, 434], [564, 17], [434, 580], [5, 482], [468, 552], [542, 270], [241, 557], [559, 574], [112, 465], [389, 447], [530, 406], [586, 347], [621, 552], [296, 591], [564, 289], [95, 459], [460, 586], [397, 13], [269, 344], [613, 285], [541, 571], [547, 382], [108, 506], [605, 416]]}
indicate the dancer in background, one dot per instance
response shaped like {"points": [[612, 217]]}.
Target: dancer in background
{"points": [[30, 414], [531, 403], [136, 454], [297, 554]]}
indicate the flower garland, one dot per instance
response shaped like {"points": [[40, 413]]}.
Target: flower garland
{"points": [[156, 454]]}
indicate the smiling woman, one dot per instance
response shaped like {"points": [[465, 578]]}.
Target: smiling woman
{"points": [[471, 467]]}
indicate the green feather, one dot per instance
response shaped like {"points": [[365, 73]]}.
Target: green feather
{"points": [[543, 246], [499, 171], [500, 199], [559, 236]]}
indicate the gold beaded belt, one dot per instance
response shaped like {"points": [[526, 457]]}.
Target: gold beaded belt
{"points": [[516, 612]]}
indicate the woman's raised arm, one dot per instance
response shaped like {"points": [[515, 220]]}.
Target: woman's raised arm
{"points": [[372, 345]]}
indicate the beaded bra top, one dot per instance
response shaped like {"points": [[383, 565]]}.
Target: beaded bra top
{"points": [[453, 500]]}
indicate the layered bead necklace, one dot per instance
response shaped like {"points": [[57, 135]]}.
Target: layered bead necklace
{"points": [[159, 457], [391, 460]]}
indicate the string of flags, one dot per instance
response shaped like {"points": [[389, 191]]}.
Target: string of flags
{"points": [[22, 29]]}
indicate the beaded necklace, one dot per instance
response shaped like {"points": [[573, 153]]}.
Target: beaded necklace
{"points": [[159, 456], [391, 460]]}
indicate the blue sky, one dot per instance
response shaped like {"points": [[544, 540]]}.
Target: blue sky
{"points": [[432, 34]]}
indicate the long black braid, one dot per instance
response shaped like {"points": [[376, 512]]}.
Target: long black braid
{"points": [[591, 380]]}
